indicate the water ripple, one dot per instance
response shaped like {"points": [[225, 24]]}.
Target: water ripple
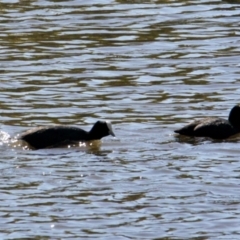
{"points": [[149, 67]]}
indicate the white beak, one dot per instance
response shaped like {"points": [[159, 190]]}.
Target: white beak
{"points": [[110, 128]]}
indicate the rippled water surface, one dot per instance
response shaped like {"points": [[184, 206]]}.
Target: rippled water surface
{"points": [[149, 67]]}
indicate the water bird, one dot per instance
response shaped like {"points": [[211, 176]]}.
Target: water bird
{"points": [[55, 136], [213, 127]]}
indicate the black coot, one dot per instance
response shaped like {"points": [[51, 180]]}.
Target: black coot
{"points": [[216, 128], [55, 136]]}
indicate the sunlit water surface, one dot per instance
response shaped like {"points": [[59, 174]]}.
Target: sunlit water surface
{"points": [[149, 67]]}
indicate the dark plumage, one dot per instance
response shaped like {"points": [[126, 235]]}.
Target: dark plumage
{"points": [[216, 128], [55, 136]]}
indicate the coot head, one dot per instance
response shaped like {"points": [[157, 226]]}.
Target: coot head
{"points": [[234, 116], [101, 129]]}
